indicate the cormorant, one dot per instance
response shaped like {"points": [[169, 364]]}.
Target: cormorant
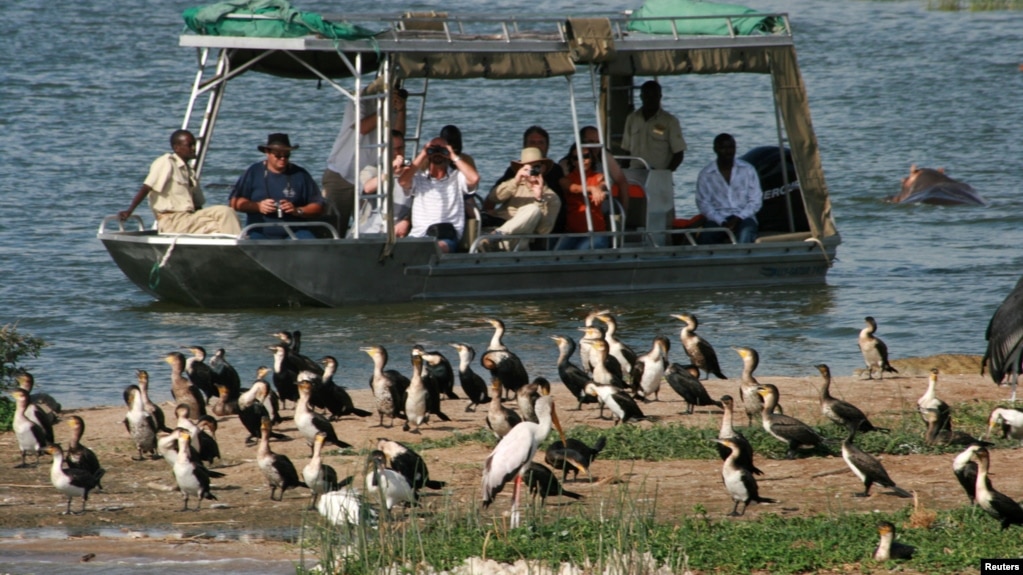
{"points": [[998, 505], [500, 419], [252, 409], [888, 548], [182, 390], [278, 470], [573, 455], [308, 422], [965, 470], [617, 348], [192, 478], [932, 408], [790, 430], [1004, 336], [648, 369], [386, 486], [140, 424], [333, 397], [541, 481], [402, 459], [293, 358], [938, 436], [749, 387], [739, 482], [685, 380], [224, 373], [1010, 421], [78, 456], [573, 376], [49, 407], [586, 358], [226, 405], [284, 376], [209, 449], [437, 373], [142, 376], [744, 459], [875, 352], [32, 431], [198, 372], [842, 412], [472, 384], [700, 352], [867, 467], [527, 395], [71, 482], [388, 385], [604, 368], [320, 477], [622, 407], [505, 367], [420, 400], [511, 458]]}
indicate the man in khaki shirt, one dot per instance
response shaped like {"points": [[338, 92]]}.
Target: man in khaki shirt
{"points": [[176, 198], [525, 202]]}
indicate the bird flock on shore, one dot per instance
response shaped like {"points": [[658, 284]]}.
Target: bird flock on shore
{"points": [[609, 374]]}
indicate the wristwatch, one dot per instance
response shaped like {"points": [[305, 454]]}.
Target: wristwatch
{"points": [[299, 211]]}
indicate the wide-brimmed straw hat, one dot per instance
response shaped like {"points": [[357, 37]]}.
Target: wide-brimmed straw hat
{"points": [[277, 142], [532, 156]]}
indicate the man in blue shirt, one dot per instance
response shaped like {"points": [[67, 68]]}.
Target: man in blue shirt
{"points": [[275, 190]]}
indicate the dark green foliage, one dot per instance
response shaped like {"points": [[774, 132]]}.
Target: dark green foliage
{"points": [[14, 347]]}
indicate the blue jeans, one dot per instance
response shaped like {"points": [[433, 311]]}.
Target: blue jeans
{"points": [[582, 243], [745, 233]]}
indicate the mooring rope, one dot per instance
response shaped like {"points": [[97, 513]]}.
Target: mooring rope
{"points": [[154, 274]]}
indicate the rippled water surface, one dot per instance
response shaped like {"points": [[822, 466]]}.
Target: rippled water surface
{"points": [[85, 107]]}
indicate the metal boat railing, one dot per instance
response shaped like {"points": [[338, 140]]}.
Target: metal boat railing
{"points": [[290, 227]]}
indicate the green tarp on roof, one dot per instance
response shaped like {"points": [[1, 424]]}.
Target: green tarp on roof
{"points": [[275, 19], [687, 25]]}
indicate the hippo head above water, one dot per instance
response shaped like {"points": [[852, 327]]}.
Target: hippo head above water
{"points": [[928, 186]]}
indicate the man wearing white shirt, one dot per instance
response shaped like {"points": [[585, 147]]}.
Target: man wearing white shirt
{"points": [[728, 194]]}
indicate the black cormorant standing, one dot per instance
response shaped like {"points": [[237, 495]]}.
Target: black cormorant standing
{"points": [[739, 441], [739, 482], [685, 380], [437, 372], [998, 505], [472, 384], [790, 430], [700, 352], [842, 412], [71, 482], [573, 376], [278, 470], [867, 467], [198, 372], [78, 456], [573, 455]]}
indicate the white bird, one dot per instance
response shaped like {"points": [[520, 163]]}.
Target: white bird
{"points": [[192, 478], [1009, 420], [648, 369], [343, 506], [513, 454], [386, 486], [320, 477], [933, 408], [71, 482], [623, 408]]}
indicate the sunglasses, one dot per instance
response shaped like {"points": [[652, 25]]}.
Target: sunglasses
{"points": [[280, 155]]}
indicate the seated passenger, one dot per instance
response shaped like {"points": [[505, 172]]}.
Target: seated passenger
{"points": [[575, 208], [728, 194], [176, 198], [524, 202], [537, 137], [590, 135], [275, 190], [372, 212], [438, 191], [453, 136]]}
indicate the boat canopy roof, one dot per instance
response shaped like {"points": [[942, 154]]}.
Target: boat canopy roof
{"points": [[438, 45]]}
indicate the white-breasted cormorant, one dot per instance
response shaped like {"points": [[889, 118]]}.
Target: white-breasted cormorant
{"points": [[965, 470], [749, 387], [875, 352], [198, 372], [472, 384], [604, 367], [308, 422], [78, 456], [648, 369], [49, 407], [437, 373], [842, 412], [623, 408], [402, 459], [998, 505], [933, 408], [1004, 336], [586, 357], [284, 376], [183, 390], [700, 352], [500, 419], [526, 396], [386, 486], [512, 455], [278, 470], [71, 482], [320, 477], [888, 548], [32, 431], [617, 348], [790, 430], [867, 467], [739, 481], [388, 385], [333, 397], [1009, 421], [685, 381], [192, 478], [140, 424], [142, 376], [739, 441]]}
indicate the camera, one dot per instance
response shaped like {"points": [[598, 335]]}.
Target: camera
{"points": [[535, 170], [437, 150]]}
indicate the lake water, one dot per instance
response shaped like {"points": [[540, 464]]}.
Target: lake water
{"points": [[86, 105]]}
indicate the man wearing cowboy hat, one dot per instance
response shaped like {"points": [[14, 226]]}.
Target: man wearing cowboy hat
{"points": [[176, 198], [275, 190], [525, 202]]}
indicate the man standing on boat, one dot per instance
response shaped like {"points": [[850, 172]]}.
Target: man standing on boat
{"points": [[653, 134], [275, 190], [728, 194], [339, 177], [176, 198], [439, 190]]}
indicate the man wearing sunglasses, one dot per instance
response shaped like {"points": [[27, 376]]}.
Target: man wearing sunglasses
{"points": [[275, 190]]}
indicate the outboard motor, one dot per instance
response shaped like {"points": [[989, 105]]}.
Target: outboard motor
{"points": [[778, 200]]}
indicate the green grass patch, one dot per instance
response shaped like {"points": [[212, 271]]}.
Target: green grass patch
{"points": [[622, 529]]}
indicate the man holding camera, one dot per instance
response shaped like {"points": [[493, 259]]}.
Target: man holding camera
{"points": [[439, 191], [525, 202]]}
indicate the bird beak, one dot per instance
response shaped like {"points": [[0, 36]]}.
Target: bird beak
{"points": [[557, 424]]}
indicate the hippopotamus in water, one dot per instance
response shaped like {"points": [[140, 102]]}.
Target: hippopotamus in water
{"points": [[927, 186]]}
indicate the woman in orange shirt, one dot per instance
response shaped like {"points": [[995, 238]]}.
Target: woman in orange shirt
{"points": [[575, 204]]}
